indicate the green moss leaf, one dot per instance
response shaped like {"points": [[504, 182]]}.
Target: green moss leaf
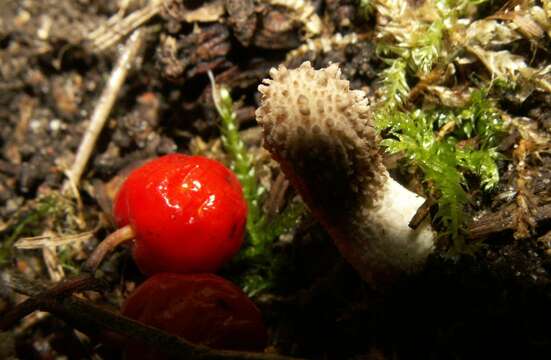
{"points": [[442, 159], [262, 232]]}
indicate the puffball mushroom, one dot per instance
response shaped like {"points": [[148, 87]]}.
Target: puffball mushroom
{"points": [[322, 135]]}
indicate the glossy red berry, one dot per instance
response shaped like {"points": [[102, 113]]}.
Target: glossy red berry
{"points": [[202, 308], [187, 214]]}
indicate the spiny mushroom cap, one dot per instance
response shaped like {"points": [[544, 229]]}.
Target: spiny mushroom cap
{"points": [[314, 121], [321, 133]]}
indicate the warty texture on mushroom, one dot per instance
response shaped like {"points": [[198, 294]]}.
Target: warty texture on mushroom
{"points": [[322, 135]]}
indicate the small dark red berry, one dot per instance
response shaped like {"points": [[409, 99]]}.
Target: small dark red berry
{"points": [[202, 308]]}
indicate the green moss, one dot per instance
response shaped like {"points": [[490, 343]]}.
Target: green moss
{"points": [[66, 260], [469, 148], [261, 262], [29, 223], [366, 7], [395, 87], [242, 163], [444, 143], [422, 49]]}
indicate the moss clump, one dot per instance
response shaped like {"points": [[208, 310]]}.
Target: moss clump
{"points": [[454, 131], [260, 260], [52, 211], [470, 146]]}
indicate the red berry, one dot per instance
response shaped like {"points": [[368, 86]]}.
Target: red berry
{"points": [[187, 214], [202, 308]]}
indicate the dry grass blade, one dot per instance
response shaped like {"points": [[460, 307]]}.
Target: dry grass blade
{"points": [[325, 44], [103, 107], [50, 240], [117, 27], [305, 12], [53, 265]]}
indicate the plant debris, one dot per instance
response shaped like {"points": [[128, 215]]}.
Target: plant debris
{"points": [[460, 91]]}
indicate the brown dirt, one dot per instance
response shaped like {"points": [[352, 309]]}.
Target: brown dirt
{"points": [[490, 305]]}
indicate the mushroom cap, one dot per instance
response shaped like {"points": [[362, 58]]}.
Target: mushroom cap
{"points": [[321, 133], [312, 114]]}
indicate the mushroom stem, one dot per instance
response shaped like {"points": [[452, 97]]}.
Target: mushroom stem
{"points": [[321, 133], [113, 240], [394, 246]]}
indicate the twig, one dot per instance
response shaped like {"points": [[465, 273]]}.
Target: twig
{"points": [[504, 220], [420, 215], [95, 320], [38, 293], [117, 27], [276, 196], [103, 107]]}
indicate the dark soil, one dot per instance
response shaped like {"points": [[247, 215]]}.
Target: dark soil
{"points": [[493, 304]]}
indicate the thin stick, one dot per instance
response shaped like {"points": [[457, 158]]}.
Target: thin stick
{"points": [[104, 106], [32, 304], [117, 27], [109, 243], [503, 220]]}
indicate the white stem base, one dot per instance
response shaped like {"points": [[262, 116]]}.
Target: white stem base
{"points": [[385, 245]]}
